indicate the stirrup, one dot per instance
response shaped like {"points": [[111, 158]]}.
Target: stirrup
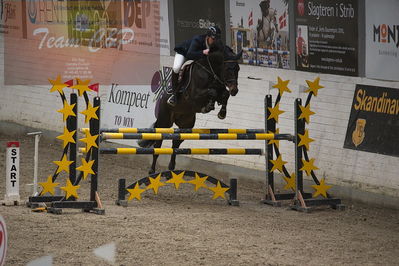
{"points": [[172, 100]]}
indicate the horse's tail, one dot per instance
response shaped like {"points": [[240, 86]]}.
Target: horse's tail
{"points": [[146, 143]]}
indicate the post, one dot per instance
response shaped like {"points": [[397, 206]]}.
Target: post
{"points": [[36, 160], [12, 174], [95, 130], [72, 124], [121, 201], [270, 126], [233, 193], [299, 129]]}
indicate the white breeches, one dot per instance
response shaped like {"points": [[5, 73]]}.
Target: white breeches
{"points": [[179, 61]]}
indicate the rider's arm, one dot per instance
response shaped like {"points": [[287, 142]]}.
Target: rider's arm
{"points": [[195, 51]]}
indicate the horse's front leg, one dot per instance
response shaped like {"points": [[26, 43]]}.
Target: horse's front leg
{"points": [[224, 97], [157, 144], [176, 144]]}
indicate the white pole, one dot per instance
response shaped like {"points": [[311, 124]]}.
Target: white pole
{"points": [[36, 160]]}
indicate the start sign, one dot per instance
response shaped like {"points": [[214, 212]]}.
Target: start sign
{"points": [[12, 173], [3, 241]]}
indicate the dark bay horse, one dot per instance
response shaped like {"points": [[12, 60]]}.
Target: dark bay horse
{"points": [[209, 78]]}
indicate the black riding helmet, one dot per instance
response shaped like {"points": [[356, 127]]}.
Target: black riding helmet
{"points": [[214, 32]]}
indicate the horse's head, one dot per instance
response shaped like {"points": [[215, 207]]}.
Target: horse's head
{"points": [[231, 69]]}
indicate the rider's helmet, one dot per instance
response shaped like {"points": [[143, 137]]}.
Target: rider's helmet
{"points": [[214, 32]]}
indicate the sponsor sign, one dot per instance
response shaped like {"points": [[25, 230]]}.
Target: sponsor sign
{"points": [[193, 17], [374, 120], [84, 38], [260, 29], [382, 39], [327, 36], [12, 172]]}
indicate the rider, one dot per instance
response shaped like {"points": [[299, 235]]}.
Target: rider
{"points": [[192, 49]]}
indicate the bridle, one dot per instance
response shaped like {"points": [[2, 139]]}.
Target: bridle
{"points": [[212, 72]]}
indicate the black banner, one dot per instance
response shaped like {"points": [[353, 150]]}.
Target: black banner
{"points": [[327, 36], [374, 121], [193, 17]]}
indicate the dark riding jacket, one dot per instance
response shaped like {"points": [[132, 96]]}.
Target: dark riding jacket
{"points": [[192, 49]]}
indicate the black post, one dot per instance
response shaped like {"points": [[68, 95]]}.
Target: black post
{"points": [[233, 192], [72, 125], [121, 201], [95, 130], [299, 129], [270, 126]]}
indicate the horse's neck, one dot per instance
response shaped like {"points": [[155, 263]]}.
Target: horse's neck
{"points": [[216, 62]]}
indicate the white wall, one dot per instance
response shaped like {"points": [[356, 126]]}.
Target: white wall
{"points": [[34, 106]]}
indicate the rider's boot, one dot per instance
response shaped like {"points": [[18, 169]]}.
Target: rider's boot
{"points": [[172, 101]]}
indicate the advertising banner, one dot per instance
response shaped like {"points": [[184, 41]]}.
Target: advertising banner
{"points": [[109, 41], [327, 36], [382, 39], [374, 121], [260, 28], [193, 17]]}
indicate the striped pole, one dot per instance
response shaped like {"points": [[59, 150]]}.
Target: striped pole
{"points": [[179, 130], [171, 151], [197, 136]]}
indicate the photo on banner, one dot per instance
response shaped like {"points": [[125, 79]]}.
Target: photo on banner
{"points": [[382, 39], [326, 36], [260, 28]]}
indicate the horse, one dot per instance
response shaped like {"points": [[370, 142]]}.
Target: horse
{"points": [[211, 73], [267, 26]]}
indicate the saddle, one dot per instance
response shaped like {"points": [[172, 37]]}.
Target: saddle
{"points": [[185, 75]]}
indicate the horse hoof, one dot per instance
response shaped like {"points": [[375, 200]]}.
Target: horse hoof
{"points": [[221, 116]]}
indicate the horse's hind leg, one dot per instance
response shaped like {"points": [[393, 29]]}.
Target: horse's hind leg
{"points": [[176, 144], [157, 144]]}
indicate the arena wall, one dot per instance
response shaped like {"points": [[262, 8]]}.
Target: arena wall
{"points": [[33, 106]]}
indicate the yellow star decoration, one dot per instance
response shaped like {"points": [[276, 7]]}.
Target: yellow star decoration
{"points": [[308, 166], [275, 112], [290, 182], [67, 137], [90, 113], [70, 190], [321, 189], [275, 141], [199, 182], [67, 111], [177, 179], [81, 86], [135, 193], [218, 191], [314, 86], [282, 86], [86, 168], [90, 141], [278, 164], [305, 113], [63, 165], [58, 85], [155, 184], [48, 186], [305, 140]]}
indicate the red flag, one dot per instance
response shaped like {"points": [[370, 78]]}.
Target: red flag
{"points": [[69, 83], [95, 87], [283, 20], [250, 19]]}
